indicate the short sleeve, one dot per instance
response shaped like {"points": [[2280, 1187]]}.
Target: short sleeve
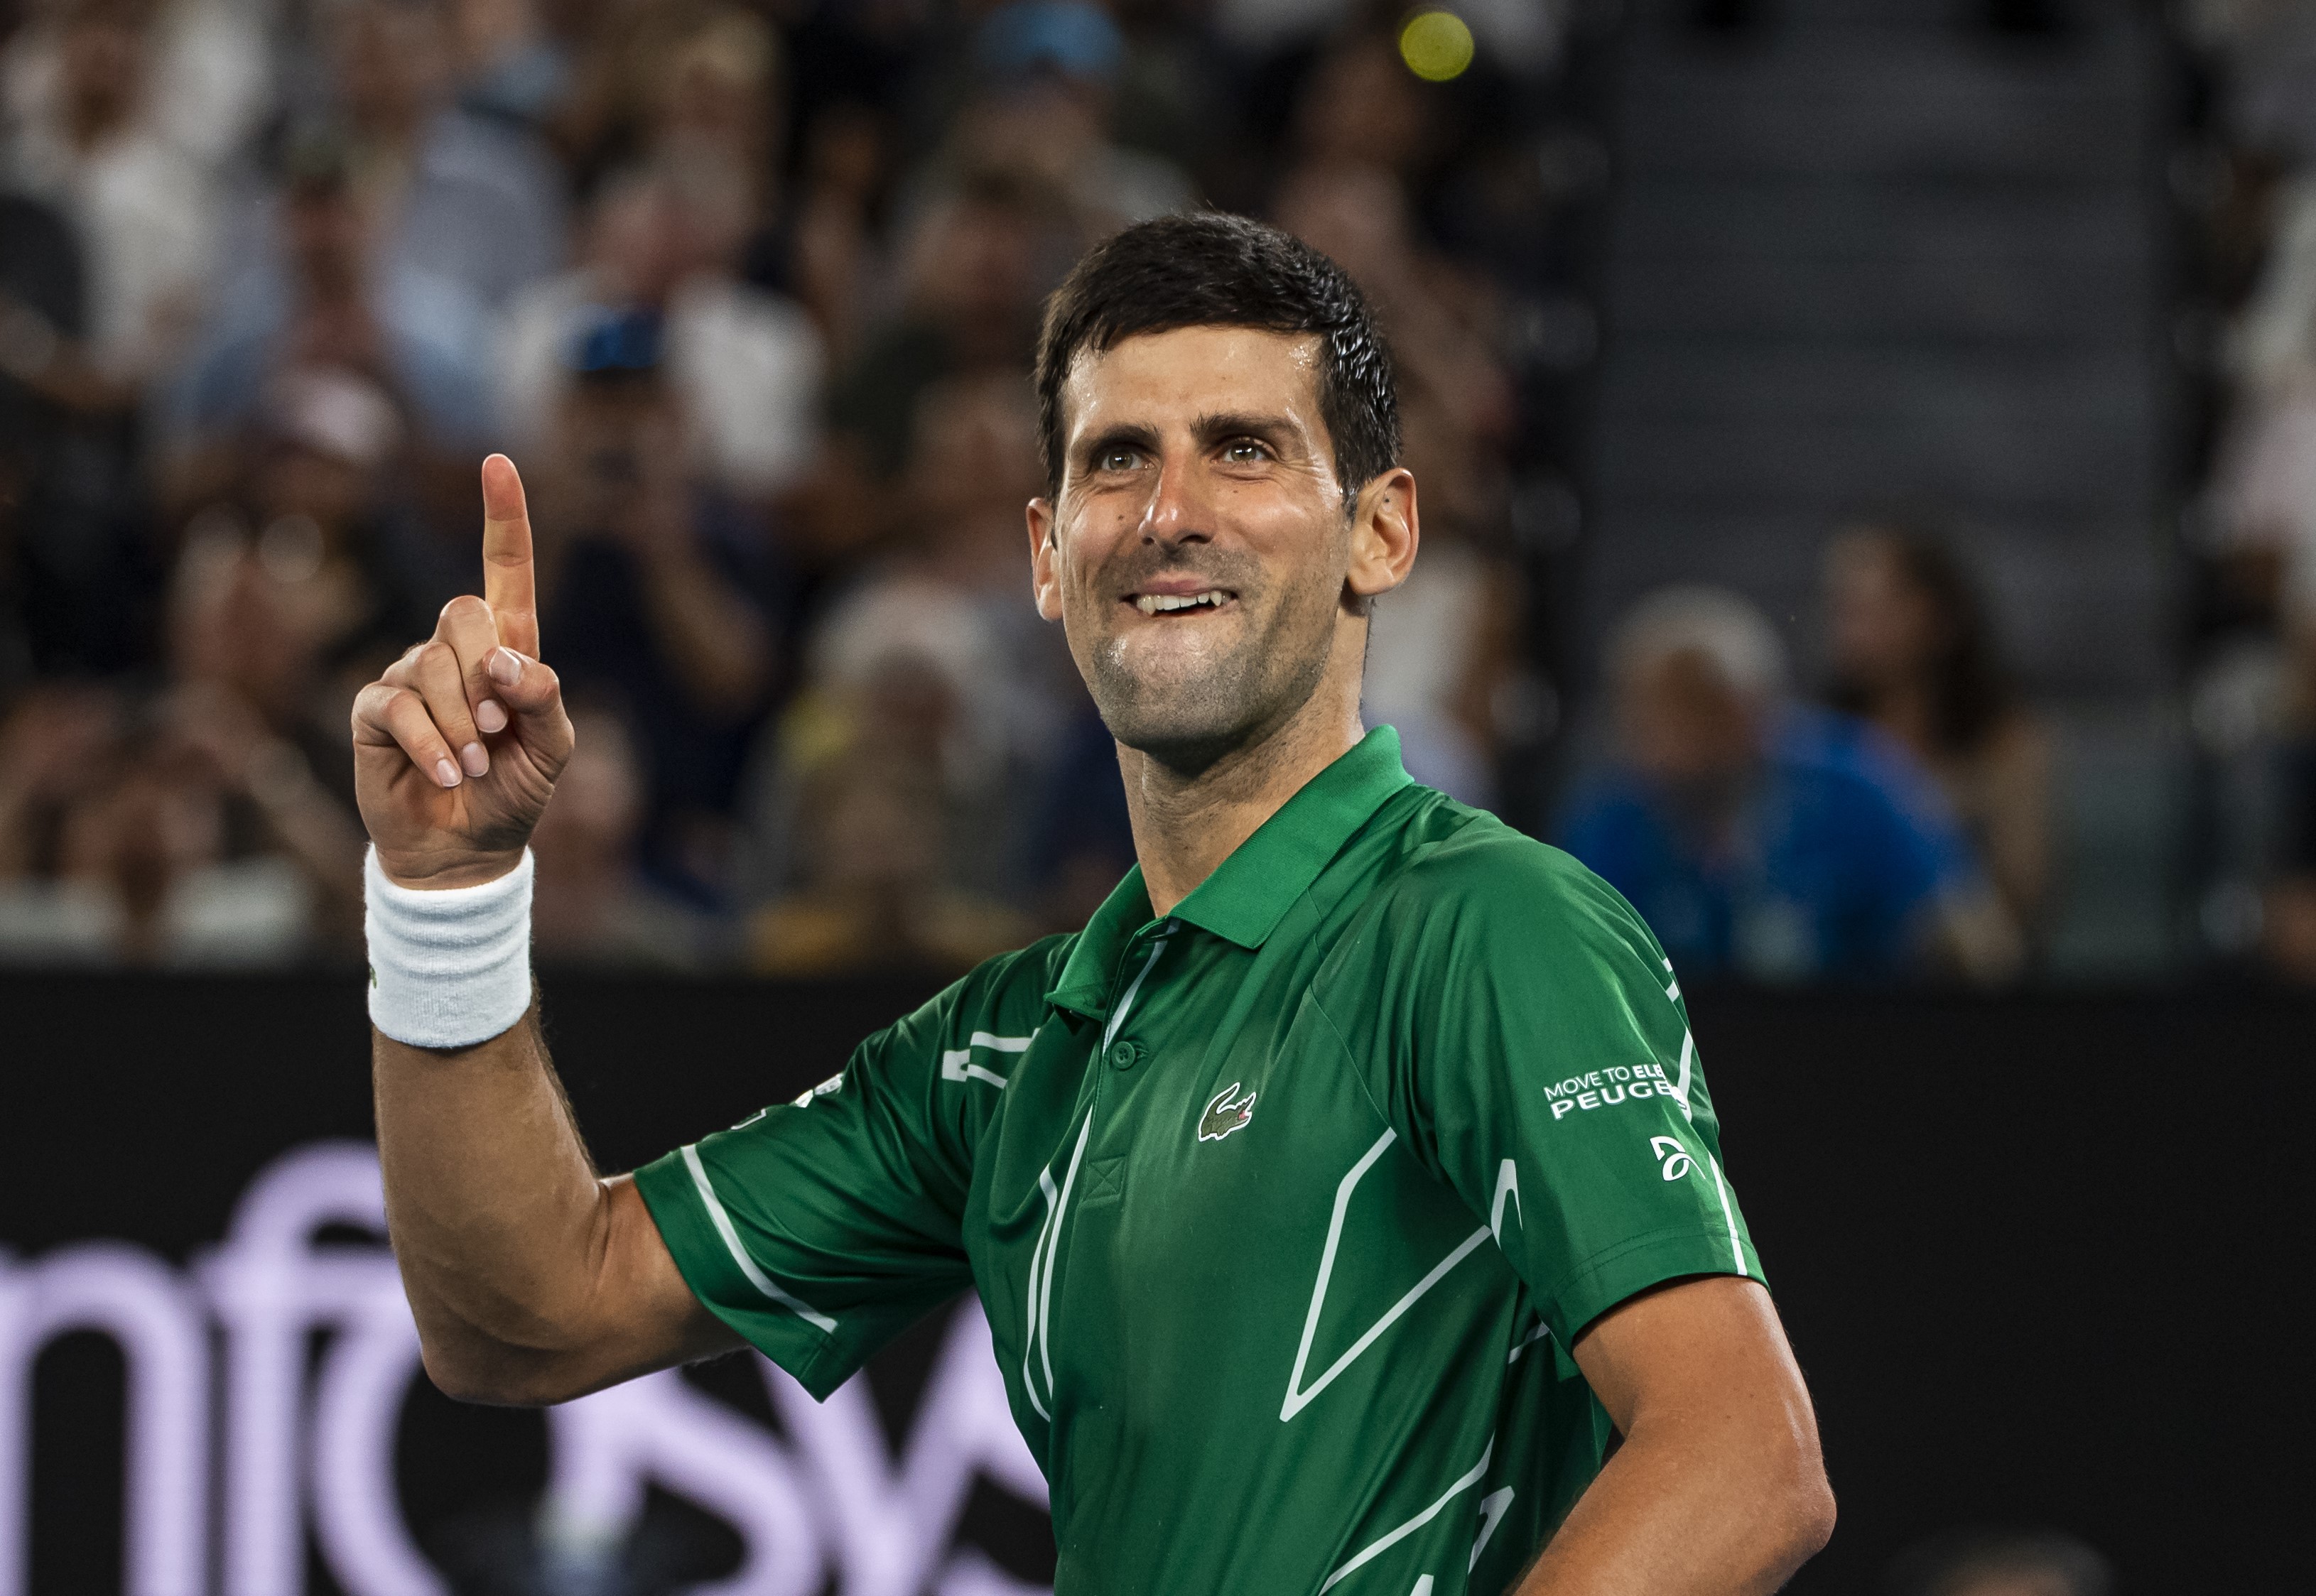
{"points": [[821, 1228], [1544, 1065]]}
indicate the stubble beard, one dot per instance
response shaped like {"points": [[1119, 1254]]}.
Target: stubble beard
{"points": [[1189, 719]]}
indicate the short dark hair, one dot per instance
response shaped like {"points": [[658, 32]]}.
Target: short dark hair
{"points": [[1213, 270], [1972, 693]]}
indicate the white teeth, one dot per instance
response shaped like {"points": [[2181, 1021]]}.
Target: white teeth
{"points": [[1160, 603]]}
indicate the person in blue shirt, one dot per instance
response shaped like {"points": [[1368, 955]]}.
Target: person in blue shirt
{"points": [[1763, 837]]}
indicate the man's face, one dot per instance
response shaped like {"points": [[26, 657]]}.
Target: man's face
{"points": [[1197, 549]]}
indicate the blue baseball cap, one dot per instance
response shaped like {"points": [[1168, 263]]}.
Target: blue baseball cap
{"points": [[1064, 36], [617, 341]]}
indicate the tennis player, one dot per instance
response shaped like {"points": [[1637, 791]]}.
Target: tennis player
{"points": [[1346, 1198]]}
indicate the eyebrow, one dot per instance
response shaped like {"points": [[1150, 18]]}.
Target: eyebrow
{"points": [[1278, 431], [1273, 430], [1124, 435]]}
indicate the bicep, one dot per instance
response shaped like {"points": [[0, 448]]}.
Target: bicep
{"points": [[656, 1319], [1695, 1355]]}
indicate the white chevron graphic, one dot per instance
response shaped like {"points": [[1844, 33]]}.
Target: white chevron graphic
{"points": [[1297, 1396]]}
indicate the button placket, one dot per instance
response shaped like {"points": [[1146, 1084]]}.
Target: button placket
{"points": [[1122, 1052]]}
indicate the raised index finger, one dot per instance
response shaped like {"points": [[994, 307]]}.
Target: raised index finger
{"points": [[508, 587]]}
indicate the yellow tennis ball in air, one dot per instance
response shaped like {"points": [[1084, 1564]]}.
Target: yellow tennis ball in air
{"points": [[1436, 45]]}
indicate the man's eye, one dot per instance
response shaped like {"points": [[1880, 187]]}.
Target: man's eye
{"points": [[1246, 451], [1115, 460]]}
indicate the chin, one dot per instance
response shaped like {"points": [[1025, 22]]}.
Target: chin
{"points": [[1186, 720]]}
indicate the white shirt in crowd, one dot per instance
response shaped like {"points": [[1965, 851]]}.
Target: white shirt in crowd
{"points": [[748, 365]]}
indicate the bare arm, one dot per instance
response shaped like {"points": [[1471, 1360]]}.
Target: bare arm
{"points": [[1719, 1488], [532, 1280]]}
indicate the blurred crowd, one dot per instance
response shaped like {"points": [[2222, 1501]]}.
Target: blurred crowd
{"points": [[1892, 820], [748, 289], [2246, 187]]}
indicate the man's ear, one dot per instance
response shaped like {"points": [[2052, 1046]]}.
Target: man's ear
{"points": [[1045, 578], [1385, 532]]}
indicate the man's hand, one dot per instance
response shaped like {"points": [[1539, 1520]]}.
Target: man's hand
{"points": [[458, 745]]}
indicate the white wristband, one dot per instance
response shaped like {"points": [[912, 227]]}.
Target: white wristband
{"points": [[452, 968]]}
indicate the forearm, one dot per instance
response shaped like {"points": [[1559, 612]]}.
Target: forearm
{"points": [[498, 1221], [1691, 1509]]}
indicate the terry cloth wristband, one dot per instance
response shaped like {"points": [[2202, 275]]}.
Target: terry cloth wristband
{"points": [[448, 969]]}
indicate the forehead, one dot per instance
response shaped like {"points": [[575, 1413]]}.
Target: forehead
{"points": [[1154, 379]]}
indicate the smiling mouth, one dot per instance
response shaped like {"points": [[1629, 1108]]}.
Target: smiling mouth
{"points": [[1158, 604]]}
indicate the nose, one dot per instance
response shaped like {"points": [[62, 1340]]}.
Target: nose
{"points": [[1179, 510]]}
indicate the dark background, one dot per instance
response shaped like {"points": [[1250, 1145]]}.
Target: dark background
{"points": [[2037, 1254]]}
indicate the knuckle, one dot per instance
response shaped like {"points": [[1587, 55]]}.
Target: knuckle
{"points": [[438, 656], [466, 607]]}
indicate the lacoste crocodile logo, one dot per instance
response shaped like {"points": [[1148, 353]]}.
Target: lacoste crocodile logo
{"points": [[1227, 1112]]}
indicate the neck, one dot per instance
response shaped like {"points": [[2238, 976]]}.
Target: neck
{"points": [[1186, 824]]}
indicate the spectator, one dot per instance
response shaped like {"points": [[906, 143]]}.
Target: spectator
{"points": [[592, 905], [973, 265], [400, 227], [74, 576], [350, 573], [336, 306], [1440, 665], [1039, 115], [637, 62], [467, 202], [660, 594], [208, 67], [145, 209], [182, 835], [834, 258], [876, 894], [746, 363], [973, 465], [1913, 652], [508, 66], [903, 669], [1764, 838]]}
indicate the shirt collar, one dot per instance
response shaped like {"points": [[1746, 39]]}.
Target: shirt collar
{"points": [[1243, 901]]}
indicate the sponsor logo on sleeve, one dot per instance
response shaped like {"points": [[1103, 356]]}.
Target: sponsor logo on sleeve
{"points": [[1605, 1088]]}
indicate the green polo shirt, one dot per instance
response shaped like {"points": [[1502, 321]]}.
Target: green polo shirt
{"points": [[1285, 1209]]}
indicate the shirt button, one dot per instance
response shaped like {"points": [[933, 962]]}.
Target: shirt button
{"points": [[1122, 1056]]}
